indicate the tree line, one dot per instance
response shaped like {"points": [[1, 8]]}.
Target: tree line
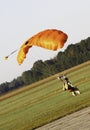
{"points": [[73, 55]]}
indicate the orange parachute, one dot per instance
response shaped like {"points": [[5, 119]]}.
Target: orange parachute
{"points": [[51, 39]]}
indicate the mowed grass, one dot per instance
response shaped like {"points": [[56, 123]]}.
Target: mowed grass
{"points": [[40, 103]]}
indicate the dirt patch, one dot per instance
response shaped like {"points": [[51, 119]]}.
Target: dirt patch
{"points": [[79, 120]]}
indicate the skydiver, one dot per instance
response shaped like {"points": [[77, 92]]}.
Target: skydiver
{"points": [[68, 86]]}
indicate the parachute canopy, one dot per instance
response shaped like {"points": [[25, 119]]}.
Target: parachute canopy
{"points": [[51, 39]]}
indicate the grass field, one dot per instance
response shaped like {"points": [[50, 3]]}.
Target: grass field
{"points": [[40, 103]]}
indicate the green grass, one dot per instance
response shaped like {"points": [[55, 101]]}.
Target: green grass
{"points": [[44, 101]]}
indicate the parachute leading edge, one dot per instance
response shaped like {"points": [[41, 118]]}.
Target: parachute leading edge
{"points": [[51, 39]]}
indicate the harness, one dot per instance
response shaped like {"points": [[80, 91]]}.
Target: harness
{"points": [[68, 86]]}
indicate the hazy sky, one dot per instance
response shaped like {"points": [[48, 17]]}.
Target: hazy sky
{"points": [[20, 19]]}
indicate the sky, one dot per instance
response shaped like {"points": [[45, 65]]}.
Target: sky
{"points": [[21, 19]]}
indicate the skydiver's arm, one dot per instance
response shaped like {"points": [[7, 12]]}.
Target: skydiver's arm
{"points": [[70, 84], [60, 78]]}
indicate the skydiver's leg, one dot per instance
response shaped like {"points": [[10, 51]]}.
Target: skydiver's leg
{"points": [[73, 93], [77, 92]]}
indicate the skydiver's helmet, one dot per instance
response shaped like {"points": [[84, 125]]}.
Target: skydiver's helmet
{"points": [[66, 80]]}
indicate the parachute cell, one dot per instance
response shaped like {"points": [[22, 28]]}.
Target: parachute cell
{"points": [[51, 39]]}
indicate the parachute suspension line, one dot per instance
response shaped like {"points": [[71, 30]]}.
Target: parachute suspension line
{"points": [[6, 57]]}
